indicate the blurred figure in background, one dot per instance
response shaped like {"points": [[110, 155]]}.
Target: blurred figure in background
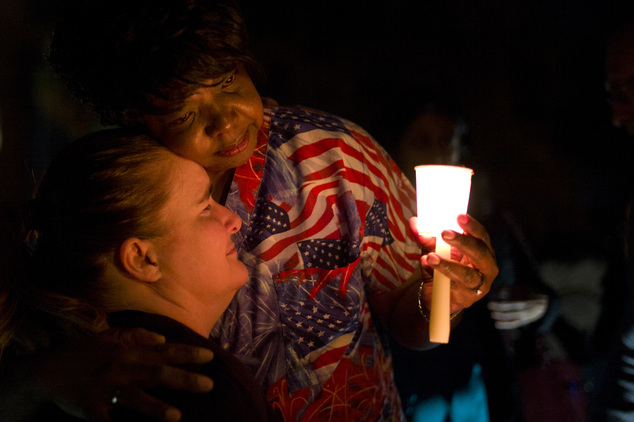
{"points": [[619, 68], [435, 136], [615, 369]]}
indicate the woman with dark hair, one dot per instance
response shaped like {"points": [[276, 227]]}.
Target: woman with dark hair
{"points": [[124, 233]]}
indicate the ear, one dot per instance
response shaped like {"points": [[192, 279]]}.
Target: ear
{"points": [[139, 259]]}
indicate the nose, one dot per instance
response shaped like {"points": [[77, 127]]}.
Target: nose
{"points": [[221, 118], [234, 222], [230, 219]]}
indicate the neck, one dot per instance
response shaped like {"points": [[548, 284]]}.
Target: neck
{"points": [[180, 305], [195, 315]]}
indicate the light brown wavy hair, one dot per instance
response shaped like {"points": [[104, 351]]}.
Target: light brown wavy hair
{"points": [[99, 191]]}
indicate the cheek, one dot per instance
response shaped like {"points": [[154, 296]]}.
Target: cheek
{"points": [[212, 242], [190, 144], [252, 104], [199, 151]]}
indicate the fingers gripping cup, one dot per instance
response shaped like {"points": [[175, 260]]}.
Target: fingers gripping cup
{"points": [[442, 193]]}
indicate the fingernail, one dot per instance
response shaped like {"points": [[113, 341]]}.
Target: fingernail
{"points": [[433, 259], [173, 415], [206, 354], [463, 219], [205, 383], [448, 235]]}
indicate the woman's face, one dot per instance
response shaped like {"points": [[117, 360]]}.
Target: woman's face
{"points": [[216, 126], [197, 255]]}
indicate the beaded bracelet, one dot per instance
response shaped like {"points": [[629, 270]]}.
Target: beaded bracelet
{"points": [[423, 309]]}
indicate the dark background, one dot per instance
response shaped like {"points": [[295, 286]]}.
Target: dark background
{"points": [[526, 75]]}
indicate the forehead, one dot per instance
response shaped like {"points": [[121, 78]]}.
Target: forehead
{"points": [[181, 96], [189, 179], [619, 63]]}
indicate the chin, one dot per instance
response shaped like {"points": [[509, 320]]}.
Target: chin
{"points": [[241, 273]]}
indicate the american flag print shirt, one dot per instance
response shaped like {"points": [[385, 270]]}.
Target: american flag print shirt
{"points": [[325, 224]]}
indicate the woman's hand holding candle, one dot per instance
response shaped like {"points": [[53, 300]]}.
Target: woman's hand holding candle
{"points": [[471, 254], [472, 266]]}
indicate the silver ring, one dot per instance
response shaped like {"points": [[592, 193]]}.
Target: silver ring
{"points": [[115, 398]]}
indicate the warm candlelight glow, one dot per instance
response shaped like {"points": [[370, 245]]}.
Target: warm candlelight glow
{"points": [[442, 193]]}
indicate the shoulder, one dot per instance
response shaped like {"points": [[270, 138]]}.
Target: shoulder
{"points": [[298, 126], [298, 119]]}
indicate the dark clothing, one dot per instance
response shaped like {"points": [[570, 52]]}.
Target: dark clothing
{"points": [[236, 395]]}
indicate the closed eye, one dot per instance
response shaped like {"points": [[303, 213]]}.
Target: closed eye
{"points": [[229, 80], [182, 120], [208, 208], [206, 212]]}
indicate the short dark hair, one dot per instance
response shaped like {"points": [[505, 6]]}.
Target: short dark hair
{"points": [[99, 191], [117, 56]]}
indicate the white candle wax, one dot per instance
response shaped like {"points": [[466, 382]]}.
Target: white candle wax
{"points": [[439, 314]]}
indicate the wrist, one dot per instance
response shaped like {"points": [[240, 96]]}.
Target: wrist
{"points": [[424, 312]]}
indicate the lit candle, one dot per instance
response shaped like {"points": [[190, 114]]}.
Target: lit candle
{"points": [[442, 193]]}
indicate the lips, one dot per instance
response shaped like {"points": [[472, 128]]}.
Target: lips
{"points": [[232, 250], [238, 148]]}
